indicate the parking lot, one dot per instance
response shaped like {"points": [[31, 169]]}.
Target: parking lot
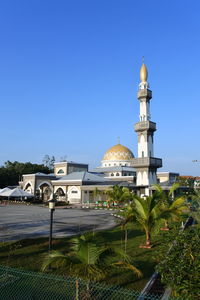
{"points": [[21, 221]]}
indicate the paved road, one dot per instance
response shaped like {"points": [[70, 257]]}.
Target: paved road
{"points": [[21, 221]]}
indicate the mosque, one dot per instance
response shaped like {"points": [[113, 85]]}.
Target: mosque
{"points": [[73, 182]]}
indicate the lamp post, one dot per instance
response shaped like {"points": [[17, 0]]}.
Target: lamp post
{"points": [[51, 210]]}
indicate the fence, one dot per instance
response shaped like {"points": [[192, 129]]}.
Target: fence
{"points": [[17, 284]]}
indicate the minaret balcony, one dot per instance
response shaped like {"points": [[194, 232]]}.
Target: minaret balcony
{"points": [[141, 162], [145, 125], [144, 95]]}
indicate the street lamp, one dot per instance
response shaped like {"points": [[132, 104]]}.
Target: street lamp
{"points": [[51, 210]]}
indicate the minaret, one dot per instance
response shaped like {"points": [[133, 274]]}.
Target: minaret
{"points": [[146, 164]]}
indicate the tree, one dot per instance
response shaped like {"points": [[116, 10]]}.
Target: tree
{"points": [[11, 172], [171, 207], [118, 194], [180, 268], [90, 258], [146, 212], [49, 161]]}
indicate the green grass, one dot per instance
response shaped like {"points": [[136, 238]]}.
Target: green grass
{"points": [[28, 254]]}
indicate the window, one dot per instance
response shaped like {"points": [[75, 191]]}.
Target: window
{"points": [[60, 171], [74, 192], [117, 174], [125, 174], [112, 174], [142, 153]]}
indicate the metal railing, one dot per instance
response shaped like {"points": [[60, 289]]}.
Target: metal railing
{"points": [[147, 161], [145, 125]]}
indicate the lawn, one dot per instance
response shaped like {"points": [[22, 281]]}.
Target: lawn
{"points": [[28, 254]]}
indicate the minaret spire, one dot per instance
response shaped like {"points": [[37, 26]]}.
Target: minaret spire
{"points": [[143, 76], [146, 164]]}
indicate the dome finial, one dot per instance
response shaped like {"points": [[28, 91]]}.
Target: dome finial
{"points": [[118, 139]]}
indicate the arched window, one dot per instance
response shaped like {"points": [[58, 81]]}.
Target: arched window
{"points": [[112, 174], [60, 171], [117, 174]]}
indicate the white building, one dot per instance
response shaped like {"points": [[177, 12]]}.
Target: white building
{"points": [[74, 183]]}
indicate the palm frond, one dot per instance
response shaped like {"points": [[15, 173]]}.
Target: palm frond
{"points": [[174, 187], [124, 265]]}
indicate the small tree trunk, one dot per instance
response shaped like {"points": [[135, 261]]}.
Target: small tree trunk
{"points": [[125, 241], [148, 238], [166, 224]]}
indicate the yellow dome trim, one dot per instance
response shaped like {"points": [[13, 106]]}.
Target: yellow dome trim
{"points": [[118, 152], [143, 73]]}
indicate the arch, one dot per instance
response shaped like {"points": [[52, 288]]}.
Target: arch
{"points": [[60, 192], [28, 187], [74, 195], [46, 190], [73, 190], [117, 174], [43, 183], [60, 171]]}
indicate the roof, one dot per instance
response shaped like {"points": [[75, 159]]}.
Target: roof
{"points": [[83, 176], [113, 169], [70, 162], [40, 174]]}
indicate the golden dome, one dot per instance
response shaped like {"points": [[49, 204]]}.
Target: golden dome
{"points": [[143, 73], [118, 152]]}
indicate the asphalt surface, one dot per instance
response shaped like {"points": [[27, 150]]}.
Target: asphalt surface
{"points": [[21, 221]]}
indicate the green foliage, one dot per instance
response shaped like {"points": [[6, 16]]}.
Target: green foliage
{"points": [[11, 172], [180, 268], [88, 258], [118, 194], [171, 208], [145, 212], [186, 181], [195, 206], [30, 256]]}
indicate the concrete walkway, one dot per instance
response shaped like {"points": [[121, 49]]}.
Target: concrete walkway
{"points": [[21, 221]]}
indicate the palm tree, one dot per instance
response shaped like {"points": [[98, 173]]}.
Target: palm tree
{"points": [[146, 212], [128, 216], [118, 194], [89, 258], [171, 208]]}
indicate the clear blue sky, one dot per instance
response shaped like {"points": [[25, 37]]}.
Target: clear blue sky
{"points": [[69, 73]]}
